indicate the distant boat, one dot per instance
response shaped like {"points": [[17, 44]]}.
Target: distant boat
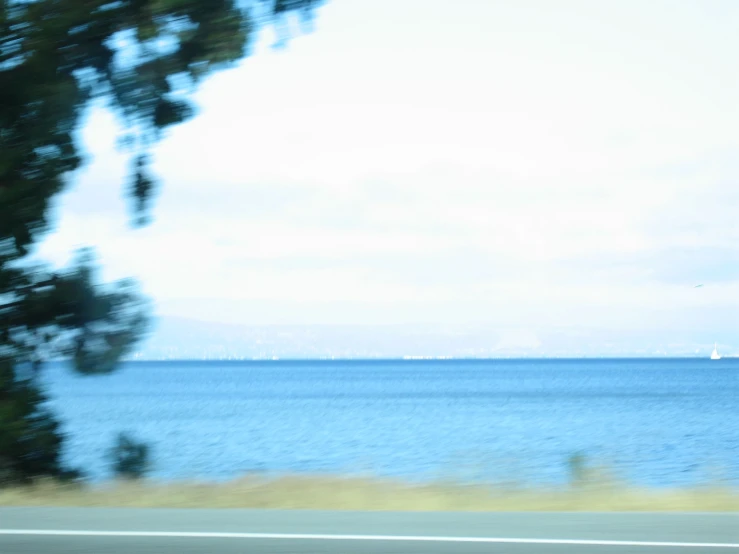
{"points": [[715, 355]]}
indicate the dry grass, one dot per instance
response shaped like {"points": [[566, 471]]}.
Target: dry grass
{"points": [[359, 493]]}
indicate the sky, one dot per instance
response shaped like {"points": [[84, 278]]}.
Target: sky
{"points": [[528, 164]]}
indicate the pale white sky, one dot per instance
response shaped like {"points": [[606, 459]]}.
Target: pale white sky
{"points": [[522, 163]]}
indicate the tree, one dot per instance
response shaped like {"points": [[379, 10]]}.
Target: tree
{"points": [[144, 57], [129, 458], [29, 436]]}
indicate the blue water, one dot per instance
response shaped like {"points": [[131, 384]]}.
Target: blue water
{"points": [[658, 422]]}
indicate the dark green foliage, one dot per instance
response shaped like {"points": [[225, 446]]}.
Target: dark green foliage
{"points": [[56, 55], [29, 435], [129, 457], [47, 314], [65, 313]]}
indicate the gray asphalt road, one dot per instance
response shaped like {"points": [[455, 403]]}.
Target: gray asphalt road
{"points": [[125, 531]]}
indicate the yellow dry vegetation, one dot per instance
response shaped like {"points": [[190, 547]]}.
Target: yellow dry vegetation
{"points": [[364, 493]]}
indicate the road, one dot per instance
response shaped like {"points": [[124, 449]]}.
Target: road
{"points": [[156, 531]]}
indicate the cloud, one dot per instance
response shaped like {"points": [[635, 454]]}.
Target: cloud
{"points": [[563, 164]]}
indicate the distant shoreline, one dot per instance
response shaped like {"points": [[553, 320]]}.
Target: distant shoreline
{"points": [[432, 359]]}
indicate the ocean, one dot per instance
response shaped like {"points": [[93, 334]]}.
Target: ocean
{"points": [[655, 421]]}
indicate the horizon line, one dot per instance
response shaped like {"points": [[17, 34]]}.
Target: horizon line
{"points": [[426, 358]]}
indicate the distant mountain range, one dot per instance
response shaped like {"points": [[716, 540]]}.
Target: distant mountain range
{"points": [[179, 338]]}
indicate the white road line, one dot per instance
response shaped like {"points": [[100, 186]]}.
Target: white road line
{"points": [[397, 538]]}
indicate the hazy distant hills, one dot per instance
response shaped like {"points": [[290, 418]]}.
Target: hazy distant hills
{"points": [[178, 338]]}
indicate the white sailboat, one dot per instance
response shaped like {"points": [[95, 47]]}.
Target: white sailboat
{"points": [[715, 355]]}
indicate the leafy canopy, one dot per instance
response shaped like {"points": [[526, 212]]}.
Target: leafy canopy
{"points": [[143, 57]]}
